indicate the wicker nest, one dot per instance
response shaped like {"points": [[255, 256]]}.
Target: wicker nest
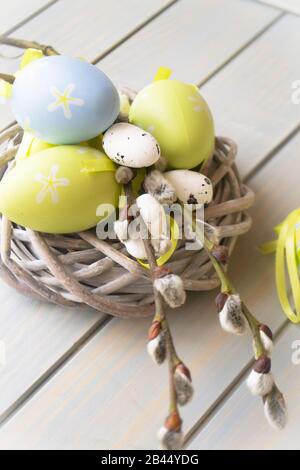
{"points": [[80, 269]]}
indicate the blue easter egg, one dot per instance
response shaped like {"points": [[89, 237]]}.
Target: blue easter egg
{"points": [[63, 100]]}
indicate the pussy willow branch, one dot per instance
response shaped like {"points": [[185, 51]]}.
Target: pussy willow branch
{"points": [[226, 284], [160, 315]]}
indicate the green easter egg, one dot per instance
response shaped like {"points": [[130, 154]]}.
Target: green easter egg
{"points": [[58, 190], [179, 118]]}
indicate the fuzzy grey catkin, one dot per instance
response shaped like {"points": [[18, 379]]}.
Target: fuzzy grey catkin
{"points": [[156, 348], [183, 384], [231, 316], [260, 381], [172, 290], [156, 185], [170, 440], [275, 409]]}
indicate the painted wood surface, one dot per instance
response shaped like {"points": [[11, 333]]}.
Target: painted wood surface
{"points": [[265, 114], [37, 337], [252, 97], [288, 5], [104, 392], [42, 314], [239, 424], [110, 395], [81, 28], [15, 12], [181, 40]]}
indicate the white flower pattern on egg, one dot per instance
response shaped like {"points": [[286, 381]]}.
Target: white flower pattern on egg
{"points": [[82, 150], [50, 184], [197, 103], [96, 153], [64, 100]]}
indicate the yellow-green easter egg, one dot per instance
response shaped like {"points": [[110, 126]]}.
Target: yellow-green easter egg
{"points": [[179, 118], [59, 189]]}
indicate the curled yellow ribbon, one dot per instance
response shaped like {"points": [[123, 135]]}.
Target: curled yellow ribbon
{"points": [[163, 73], [29, 56], [287, 249], [174, 240]]}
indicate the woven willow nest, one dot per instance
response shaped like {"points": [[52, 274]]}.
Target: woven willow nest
{"points": [[81, 269]]}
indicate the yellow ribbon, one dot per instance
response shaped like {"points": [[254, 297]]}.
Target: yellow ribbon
{"points": [[287, 249], [5, 91], [163, 73], [29, 56]]}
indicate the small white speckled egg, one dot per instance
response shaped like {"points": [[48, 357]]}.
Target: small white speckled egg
{"points": [[153, 215], [131, 146], [136, 248], [190, 187]]}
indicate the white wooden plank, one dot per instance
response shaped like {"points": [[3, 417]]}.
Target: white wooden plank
{"points": [[193, 38], [89, 28], [68, 37], [85, 28], [250, 98], [36, 336], [289, 5], [14, 12], [111, 396], [240, 424]]}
